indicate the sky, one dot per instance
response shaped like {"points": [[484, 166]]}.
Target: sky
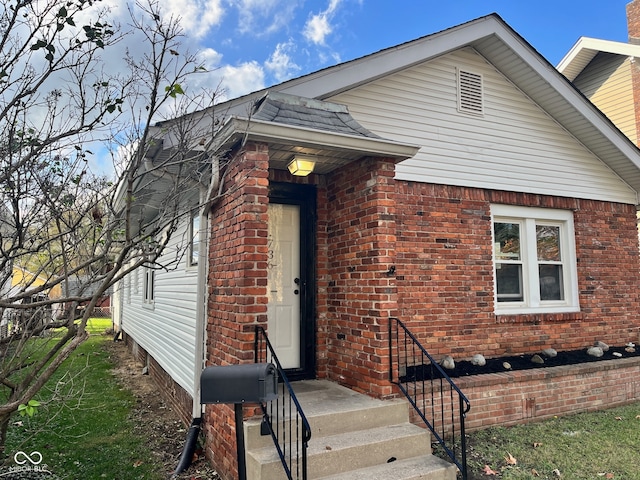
{"points": [[252, 44]]}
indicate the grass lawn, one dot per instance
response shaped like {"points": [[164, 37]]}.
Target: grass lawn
{"points": [[596, 445], [82, 429]]}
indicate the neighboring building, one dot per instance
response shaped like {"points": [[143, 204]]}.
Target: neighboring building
{"points": [[608, 74], [460, 184]]}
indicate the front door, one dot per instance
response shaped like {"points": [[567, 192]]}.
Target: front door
{"points": [[290, 285], [283, 283]]}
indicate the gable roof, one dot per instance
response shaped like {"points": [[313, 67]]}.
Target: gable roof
{"points": [[509, 53], [586, 48]]}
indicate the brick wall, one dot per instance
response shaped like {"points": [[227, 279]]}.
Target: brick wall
{"points": [[237, 286], [445, 274], [517, 397], [633, 21], [360, 223]]}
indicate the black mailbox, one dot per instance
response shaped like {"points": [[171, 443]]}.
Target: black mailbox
{"points": [[244, 383]]}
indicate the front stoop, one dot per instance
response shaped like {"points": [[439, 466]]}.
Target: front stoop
{"points": [[353, 437]]}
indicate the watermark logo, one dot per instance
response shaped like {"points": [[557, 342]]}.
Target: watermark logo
{"points": [[29, 464], [21, 458]]}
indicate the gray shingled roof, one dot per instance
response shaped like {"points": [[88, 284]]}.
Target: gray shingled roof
{"points": [[309, 113]]}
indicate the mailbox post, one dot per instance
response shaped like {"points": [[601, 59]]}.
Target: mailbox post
{"points": [[239, 384]]}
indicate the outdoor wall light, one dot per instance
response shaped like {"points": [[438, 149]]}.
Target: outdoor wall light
{"points": [[301, 166]]}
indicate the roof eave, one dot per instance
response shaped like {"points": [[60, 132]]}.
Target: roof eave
{"points": [[236, 127]]}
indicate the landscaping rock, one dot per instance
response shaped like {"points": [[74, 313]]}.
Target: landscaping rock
{"points": [[602, 345], [448, 363], [537, 359], [550, 353], [595, 352], [630, 350], [617, 354], [478, 360], [506, 365]]}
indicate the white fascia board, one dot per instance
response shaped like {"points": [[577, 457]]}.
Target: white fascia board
{"points": [[278, 133], [586, 48]]}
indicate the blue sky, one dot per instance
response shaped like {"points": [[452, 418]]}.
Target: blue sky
{"points": [[251, 44]]}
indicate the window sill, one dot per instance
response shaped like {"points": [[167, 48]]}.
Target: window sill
{"points": [[539, 318]]}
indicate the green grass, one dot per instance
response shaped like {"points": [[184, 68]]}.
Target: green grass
{"points": [[583, 446], [82, 428]]}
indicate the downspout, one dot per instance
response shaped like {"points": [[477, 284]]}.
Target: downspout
{"points": [[201, 317]]}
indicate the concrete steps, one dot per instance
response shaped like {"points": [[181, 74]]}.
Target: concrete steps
{"points": [[353, 437]]}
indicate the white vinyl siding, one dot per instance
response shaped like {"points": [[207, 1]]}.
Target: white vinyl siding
{"points": [[607, 82], [514, 146], [167, 332]]}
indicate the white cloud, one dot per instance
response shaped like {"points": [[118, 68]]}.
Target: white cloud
{"points": [[245, 78], [281, 63], [197, 17], [261, 17], [318, 27]]}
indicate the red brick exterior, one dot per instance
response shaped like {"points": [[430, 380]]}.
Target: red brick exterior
{"points": [[420, 252], [633, 21], [516, 397], [360, 295], [445, 274], [237, 286]]}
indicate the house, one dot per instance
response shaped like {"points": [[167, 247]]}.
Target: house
{"points": [[22, 280], [460, 184], [607, 73]]}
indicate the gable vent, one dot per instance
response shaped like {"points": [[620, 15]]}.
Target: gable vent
{"points": [[470, 98]]}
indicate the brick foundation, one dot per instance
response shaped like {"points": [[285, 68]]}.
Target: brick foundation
{"points": [[180, 401]]}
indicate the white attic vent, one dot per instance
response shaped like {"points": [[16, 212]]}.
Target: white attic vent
{"points": [[470, 98]]}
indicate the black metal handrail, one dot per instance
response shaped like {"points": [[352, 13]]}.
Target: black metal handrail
{"points": [[283, 418], [430, 391]]}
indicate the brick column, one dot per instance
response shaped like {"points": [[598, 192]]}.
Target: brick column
{"points": [[237, 286], [361, 292]]}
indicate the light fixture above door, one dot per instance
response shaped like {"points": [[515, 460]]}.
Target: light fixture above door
{"points": [[301, 166]]}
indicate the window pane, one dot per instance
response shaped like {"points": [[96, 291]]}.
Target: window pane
{"points": [[507, 241], [548, 241], [551, 287], [195, 242], [509, 282]]}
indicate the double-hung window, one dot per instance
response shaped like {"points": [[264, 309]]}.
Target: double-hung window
{"points": [[535, 260]]}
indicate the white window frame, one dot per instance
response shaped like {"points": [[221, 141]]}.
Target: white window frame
{"points": [[528, 218], [149, 286]]}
